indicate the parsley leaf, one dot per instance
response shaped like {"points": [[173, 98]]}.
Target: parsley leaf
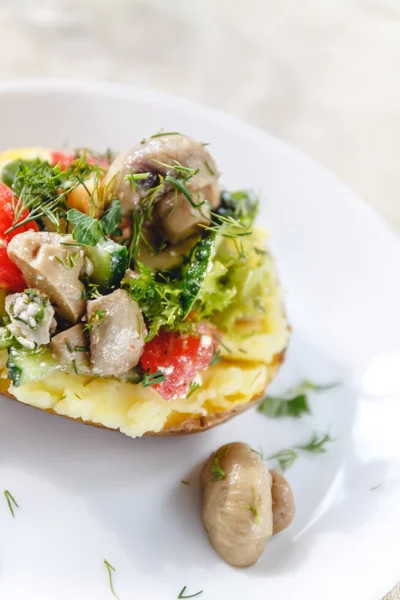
{"points": [[111, 219], [87, 230], [275, 407], [294, 403]]}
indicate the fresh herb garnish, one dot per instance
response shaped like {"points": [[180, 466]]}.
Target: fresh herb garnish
{"points": [[152, 378], [111, 218], [216, 357], [275, 407], [81, 349], [162, 133], [260, 452], [96, 319], [43, 189], [285, 458], [12, 503], [185, 482], [209, 169], [87, 230], [192, 388], [221, 343], [375, 487], [69, 346], [216, 472], [110, 569], [255, 509], [75, 368], [181, 187], [181, 593], [317, 443], [70, 260], [294, 403]]}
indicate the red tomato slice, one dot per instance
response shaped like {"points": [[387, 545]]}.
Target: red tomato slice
{"points": [[10, 275], [179, 358], [66, 159]]}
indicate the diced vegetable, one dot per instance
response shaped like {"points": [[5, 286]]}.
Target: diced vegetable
{"points": [[25, 367], [199, 265], [110, 261], [179, 358], [10, 275]]}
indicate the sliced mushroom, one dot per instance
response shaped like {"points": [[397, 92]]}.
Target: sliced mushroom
{"points": [[237, 504], [159, 156], [52, 268], [71, 349], [179, 218], [283, 507], [117, 333]]}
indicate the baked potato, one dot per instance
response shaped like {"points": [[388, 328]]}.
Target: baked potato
{"points": [[155, 310]]}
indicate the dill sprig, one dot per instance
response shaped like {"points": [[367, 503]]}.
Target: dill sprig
{"points": [[254, 508], [217, 473], [317, 443], [181, 593], [110, 570], [12, 503], [150, 379], [285, 458], [43, 189]]}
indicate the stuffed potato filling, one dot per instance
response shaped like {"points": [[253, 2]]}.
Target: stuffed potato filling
{"points": [[136, 270]]}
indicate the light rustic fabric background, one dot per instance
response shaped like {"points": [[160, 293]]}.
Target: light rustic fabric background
{"points": [[324, 75]]}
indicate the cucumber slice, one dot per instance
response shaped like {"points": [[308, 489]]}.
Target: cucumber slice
{"points": [[28, 366], [199, 264], [110, 261]]}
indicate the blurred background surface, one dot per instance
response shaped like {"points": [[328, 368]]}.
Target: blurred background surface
{"points": [[322, 75]]}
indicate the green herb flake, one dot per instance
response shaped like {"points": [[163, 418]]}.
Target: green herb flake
{"points": [[181, 593], [209, 169], [192, 388], [81, 349], [254, 508], [216, 472], [150, 379], [69, 346], [75, 367], [185, 482], [87, 230], [216, 357], [164, 133], [111, 219], [285, 458], [375, 487], [11, 502], [317, 443], [276, 407], [110, 570], [260, 452]]}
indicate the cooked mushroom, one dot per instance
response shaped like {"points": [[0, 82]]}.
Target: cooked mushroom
{"points": [[237, 504], [71, 349], [117, 333], [52, 268], [160, 156], [283, 507]]}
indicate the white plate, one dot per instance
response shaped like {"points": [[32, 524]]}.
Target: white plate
{"points": [[86, 495]]}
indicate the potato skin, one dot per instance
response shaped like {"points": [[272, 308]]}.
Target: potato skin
{"points": [[192, 424]]}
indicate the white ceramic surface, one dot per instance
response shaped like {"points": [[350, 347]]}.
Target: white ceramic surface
{"points": [[86, 495]]}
